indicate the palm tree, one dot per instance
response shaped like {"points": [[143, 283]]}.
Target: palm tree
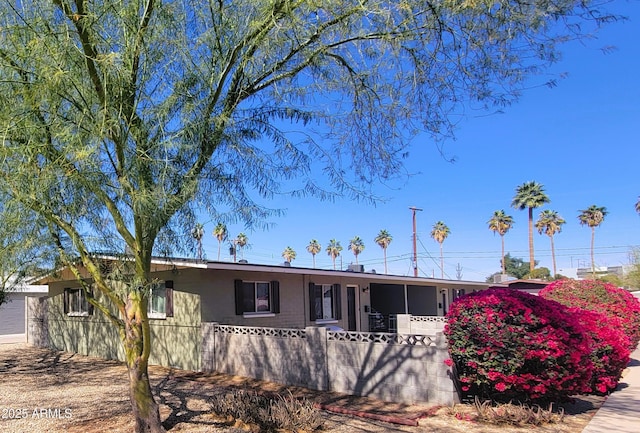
{"points": [[550, 222], [530, 195], [439, 233], [314, 248], [501, 223], [198, 232], [384, 239], [593, 216], [356, 245], [289, 254], [333, 250], [241, 240], [220, 233], [638, 205]]}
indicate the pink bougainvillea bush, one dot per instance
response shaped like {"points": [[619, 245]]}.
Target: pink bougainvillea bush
{"points": [[509, 345], [601, 297], [609, 349]]}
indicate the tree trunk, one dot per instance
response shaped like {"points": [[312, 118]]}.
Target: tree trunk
{"points": [[136, 340], [593, 263], [532, 263], [553, 257], [441, 263], [504, 270], [385, 260]]}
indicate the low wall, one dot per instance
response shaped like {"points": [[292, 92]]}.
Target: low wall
{"points": [[423, 325], [391, 367]]}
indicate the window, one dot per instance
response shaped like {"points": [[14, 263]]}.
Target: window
{"points": [[160, 303], [256, 297], [325, 302], [76, 303]]}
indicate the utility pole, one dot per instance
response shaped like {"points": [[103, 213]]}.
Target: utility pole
{"points": [[415, 252]]}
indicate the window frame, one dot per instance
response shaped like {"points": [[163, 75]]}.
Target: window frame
{"points": [[317, 302], [273, 298], [168, 300], [73, 296]]}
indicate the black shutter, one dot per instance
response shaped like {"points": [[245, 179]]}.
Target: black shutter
{"points": [[65, 301], [312, 302], [337, 302], [239, 297], [275, 297], [168, 306]]}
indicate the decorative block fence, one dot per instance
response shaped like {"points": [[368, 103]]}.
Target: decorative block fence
{"points": [[403, 368]]}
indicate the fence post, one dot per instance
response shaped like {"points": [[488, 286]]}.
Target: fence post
{"points": [[316, 353]]}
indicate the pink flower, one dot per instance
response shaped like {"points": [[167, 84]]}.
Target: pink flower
{"points": [[501, 386], [449, 362]]}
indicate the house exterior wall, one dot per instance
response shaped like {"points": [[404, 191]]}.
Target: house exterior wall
{"points": [[400, 368], [176, 340]]}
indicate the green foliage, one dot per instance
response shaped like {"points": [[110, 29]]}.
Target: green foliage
{"points": [[516, 267], [540, 274], [26, 249]]}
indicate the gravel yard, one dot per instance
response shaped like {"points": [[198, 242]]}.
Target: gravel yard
{"points": [[45, 391]]}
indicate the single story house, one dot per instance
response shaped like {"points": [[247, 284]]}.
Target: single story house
{"points": [[189, 293], [13, 312]]}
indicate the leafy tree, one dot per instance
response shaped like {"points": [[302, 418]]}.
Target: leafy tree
{"points": [[289, 254], [220, 233], [501, 223], [516, 267], [540, 274], [530, 195], [198, 232], [439, 233], [314, 248], [26, 248], [593, 216], [356, 245], [119, 117], [550, 223], [333, 250], [384, 239]]}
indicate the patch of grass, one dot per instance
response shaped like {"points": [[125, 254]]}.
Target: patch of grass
{"points": [[270, 414], [516, 414]]}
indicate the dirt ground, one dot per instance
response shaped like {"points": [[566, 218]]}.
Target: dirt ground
{"points": [[46, 391]]}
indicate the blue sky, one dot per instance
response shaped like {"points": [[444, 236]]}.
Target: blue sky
{"points": [[581, 140]]}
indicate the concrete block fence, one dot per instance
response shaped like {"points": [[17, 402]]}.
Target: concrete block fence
{"points": [[402, 368]]}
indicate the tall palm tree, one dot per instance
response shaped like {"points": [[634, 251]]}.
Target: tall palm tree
{"points": [[593, 216], [439, 233], [356, 245], [289, 254], [501, 223], [550, 223], [314, 248], [220, 233], [333, 250], [384, 239], [530, 195], [241, 241], [198, 232]]}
